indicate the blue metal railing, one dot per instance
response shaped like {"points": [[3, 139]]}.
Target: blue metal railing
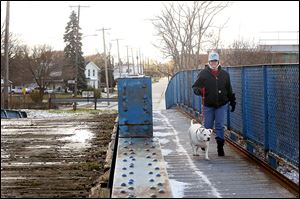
{"points": [[267, 110]]}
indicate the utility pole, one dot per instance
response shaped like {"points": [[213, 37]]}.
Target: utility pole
{"points": [[143, 66], [76, 53], [132, 61], [127, 60], [6, 56], [105, 62], [140, 68], [118, 55], [137, 62], [148, 67]]}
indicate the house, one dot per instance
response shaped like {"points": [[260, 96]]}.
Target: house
{"points": [[9, 85], [92, 72], [56, 81]]}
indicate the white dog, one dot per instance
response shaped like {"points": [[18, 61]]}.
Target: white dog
{"points": [[199, 137]]}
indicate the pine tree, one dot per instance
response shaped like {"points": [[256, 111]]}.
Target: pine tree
{"points": [[73, 44]]}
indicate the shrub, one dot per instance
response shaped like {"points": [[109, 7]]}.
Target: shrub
{"points": [[97, 92], [36, 96]]}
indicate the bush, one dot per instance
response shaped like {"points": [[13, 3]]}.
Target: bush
{"points": [[35, 96], [97, 92]]}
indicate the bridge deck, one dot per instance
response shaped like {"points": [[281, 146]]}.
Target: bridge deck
{"points": [[192, 176]]}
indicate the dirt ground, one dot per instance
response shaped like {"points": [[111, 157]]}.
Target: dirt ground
{"points": [[55, 156]]}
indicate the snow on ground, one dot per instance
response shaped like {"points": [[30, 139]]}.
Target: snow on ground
{"points": [[177, 188], [46, 114]]}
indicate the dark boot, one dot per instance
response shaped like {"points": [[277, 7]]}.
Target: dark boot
{"points": [[220, 143]]}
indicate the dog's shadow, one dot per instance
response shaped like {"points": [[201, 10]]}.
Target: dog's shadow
{"points": [[199, 158]]}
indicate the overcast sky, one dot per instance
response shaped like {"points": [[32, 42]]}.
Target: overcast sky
{"points": [[44, 23]]}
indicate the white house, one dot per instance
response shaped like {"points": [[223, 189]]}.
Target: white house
{"points": [[92, 72]]}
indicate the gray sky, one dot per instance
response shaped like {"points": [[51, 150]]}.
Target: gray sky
{"points": [[44, 23]]}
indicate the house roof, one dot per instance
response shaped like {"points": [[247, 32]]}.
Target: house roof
{"points": [[2, 81], [92, 63]]}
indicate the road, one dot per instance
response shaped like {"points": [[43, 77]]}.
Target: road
{"points": [[158, 94]]}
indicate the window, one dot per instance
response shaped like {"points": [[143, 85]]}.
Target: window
{"points": [[89, 73], [93, 73]]}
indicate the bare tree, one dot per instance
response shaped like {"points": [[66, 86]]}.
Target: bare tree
{"points": [[14, 45], [215, 43], [40, 64], [183, 29], [242, 52]]}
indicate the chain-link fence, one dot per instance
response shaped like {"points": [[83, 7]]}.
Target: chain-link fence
{"points": [[267, 109]]}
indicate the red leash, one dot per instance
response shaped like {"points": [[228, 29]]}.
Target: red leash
{"points": [[203, 97]]}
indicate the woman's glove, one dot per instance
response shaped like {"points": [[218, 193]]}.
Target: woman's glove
{"points": [[197, 90], [232, 102]]}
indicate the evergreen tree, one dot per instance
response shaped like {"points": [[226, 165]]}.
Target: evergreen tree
{"points": [[73, 44]]}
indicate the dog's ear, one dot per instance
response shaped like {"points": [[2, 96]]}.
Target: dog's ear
{"points": [[210, 130]]}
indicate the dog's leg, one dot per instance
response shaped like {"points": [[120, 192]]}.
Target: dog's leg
{"points": [[196, 153], [193, 149], [206, 151]]}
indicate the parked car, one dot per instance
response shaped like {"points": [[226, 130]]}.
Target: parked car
{"points": [[48, 91], [16, 91], [19, 90]]}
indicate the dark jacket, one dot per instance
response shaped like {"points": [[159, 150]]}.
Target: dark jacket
{"points": [[218, 90]]}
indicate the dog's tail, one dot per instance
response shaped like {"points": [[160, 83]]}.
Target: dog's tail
{"points": [[193, 121]]}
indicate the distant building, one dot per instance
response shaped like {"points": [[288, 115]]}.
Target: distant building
{"points": [[56, 81], [282, 53], [92, 72], [284, 48]]}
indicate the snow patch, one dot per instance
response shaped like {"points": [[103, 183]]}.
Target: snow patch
{"points": [[177, 188], [45, 114], [164, 141], [165, 152], [161, 134]]}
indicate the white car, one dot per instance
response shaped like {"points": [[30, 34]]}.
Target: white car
{"points": [[16, 91], [48, 91]]}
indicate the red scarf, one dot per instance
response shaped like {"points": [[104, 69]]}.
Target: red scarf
{"points": [[215, 72]]}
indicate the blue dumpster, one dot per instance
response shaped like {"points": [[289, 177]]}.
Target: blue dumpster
{"points": [[135, 107], [5, 114]]}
